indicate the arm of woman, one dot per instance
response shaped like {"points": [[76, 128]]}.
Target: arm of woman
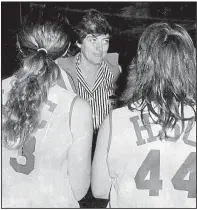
{"points": [[101, 181], [79, 156]]}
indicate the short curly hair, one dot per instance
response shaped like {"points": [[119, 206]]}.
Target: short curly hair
{"points": [[93, 22]]}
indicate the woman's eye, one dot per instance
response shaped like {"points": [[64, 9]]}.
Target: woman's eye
{"points": [[92, 40], [106, 41]]}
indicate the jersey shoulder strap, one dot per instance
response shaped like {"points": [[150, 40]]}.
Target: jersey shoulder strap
{"points": [[110, 131]]}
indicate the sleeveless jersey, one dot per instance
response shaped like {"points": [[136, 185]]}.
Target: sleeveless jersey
{"points": [[37, 176], [147, 172]]}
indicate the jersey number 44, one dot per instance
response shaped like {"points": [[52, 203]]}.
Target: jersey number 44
{"points": [[154, 184]]}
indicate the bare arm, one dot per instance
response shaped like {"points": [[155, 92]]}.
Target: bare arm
{"points": [[79, 156], [101, 181]]}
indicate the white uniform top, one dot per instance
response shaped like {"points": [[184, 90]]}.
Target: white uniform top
{"points": [[147, 172], [38, 178]]}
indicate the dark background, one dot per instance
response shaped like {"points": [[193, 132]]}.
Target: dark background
{"points": [[129, 19]]}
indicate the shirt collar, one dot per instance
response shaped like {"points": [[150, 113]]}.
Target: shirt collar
{"points": [[78, 58], [103, 74]]}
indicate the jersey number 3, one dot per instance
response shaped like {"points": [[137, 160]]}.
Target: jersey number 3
{"points": [[29, 148], [27, 152], [154, 184]]}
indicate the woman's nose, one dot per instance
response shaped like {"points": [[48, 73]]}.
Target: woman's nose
{"points": [[99, 46]]}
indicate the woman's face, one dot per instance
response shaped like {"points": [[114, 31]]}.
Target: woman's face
{"points": [[94, 48]]}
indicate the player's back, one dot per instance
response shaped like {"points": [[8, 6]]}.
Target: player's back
{"points": [[147, 172], [36, 176]]}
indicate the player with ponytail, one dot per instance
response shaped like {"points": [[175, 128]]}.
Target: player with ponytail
{"points": [[41, 128]]}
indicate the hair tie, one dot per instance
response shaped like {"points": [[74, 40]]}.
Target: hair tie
{"points": [[42, 49]]}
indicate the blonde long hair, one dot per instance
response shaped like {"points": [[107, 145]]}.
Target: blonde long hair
{"points": [[40, 45]]}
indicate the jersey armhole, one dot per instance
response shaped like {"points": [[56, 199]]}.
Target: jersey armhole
{"points": [[109, 145], [120, 68], [110, 131], [71, 110]]}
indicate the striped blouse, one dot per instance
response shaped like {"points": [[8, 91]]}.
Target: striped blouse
{"points": [[99, 96]]}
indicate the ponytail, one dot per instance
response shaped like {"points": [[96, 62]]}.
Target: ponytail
{"points": [[40, 45], [21, 113]]}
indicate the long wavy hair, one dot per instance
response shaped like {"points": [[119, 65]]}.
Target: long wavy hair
{"points": [[162, 76], [40, 45]]}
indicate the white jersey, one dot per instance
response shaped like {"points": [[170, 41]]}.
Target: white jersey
{"points": [[37, 176], [147, 172]]}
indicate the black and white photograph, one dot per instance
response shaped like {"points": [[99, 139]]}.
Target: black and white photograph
{"points": [[98, 104]]}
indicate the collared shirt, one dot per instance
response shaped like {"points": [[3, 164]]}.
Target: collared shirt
{"points": [[98, 97]]}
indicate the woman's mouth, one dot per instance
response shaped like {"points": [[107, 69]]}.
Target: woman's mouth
{"points": [[98, 55]]}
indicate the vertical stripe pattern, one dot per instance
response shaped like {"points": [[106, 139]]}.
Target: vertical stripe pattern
{"points": [[98, 97]]}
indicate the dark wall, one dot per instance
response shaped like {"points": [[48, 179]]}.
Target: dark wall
{"points": [[129, 19], [133, 18], [10, 23]]}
